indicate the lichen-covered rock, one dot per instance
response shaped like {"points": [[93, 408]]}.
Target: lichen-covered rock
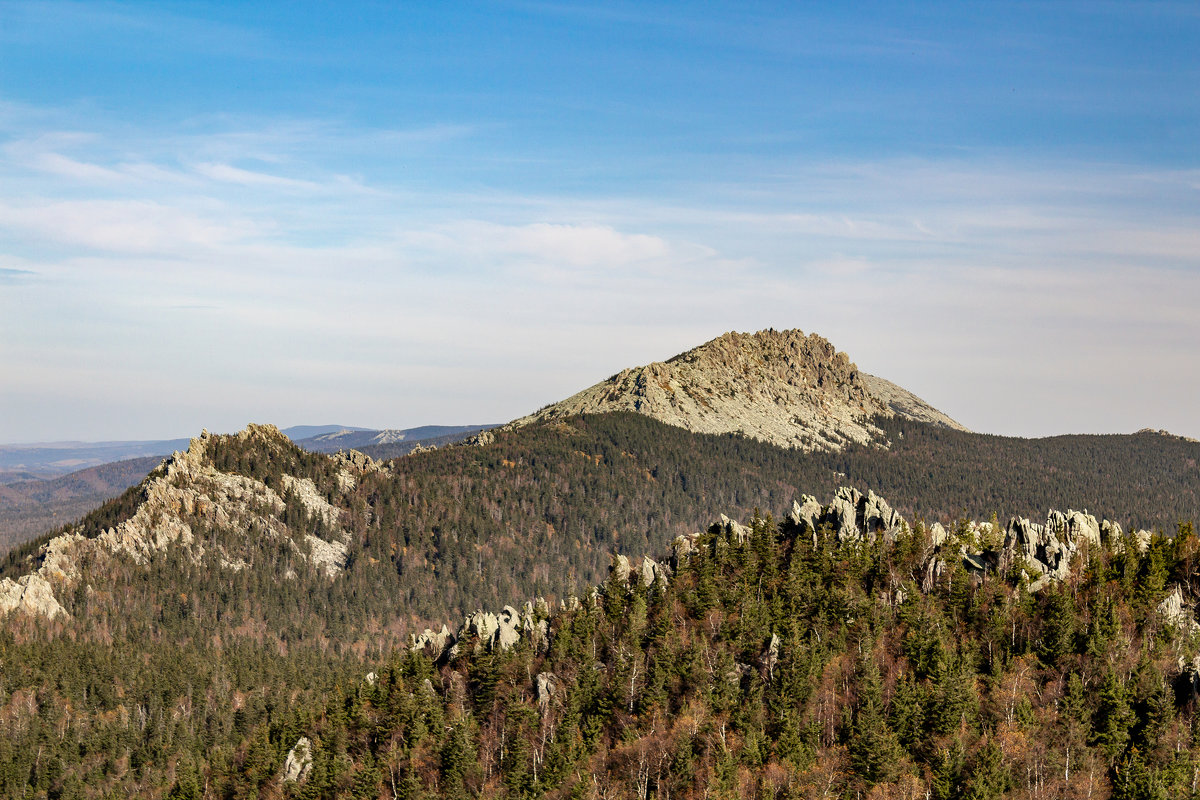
{"points": [[653, 573], [298, 763], [1177, 611], [30, 594]]}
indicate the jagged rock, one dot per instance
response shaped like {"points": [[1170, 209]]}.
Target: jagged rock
{"points": [[806, 515], [1111, 533], [654, 573], [298, 763], [1042, 549], [1176, 612], [544, 689], [370, 678], [852, 516], [438, 645], [938, 535], [620, 569], [30, 594]]}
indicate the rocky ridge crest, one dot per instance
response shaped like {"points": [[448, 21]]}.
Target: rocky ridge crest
{"points": [[781, 387], [186, 491]]}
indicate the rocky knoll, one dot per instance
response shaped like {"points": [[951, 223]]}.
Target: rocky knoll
{"points": [[781, 387], [186, 493]]}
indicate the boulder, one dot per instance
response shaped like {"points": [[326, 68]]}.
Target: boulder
{"points": [[298, 763], [1177, 611], [620, 569], [653, 573]]}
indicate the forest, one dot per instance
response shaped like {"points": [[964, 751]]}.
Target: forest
{"points": [[181, 678]]}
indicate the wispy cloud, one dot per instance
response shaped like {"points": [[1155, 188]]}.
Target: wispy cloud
{"points": [[10, 275]]}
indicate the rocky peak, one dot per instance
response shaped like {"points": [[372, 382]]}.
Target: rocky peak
{"points": [[783, 387], [188, 493]]}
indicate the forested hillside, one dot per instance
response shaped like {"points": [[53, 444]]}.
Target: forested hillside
{"points": [[205, 656], [771, 665]]}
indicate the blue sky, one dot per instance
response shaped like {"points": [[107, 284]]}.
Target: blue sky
{"points": [[398, 214]]}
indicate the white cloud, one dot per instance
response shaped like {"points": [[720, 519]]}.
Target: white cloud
{"points": [[227, 173]]}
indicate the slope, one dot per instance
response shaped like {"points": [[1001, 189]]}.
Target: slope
{"points": [[780, 387]]}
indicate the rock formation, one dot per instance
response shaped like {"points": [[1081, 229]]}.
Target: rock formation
{"points": [[298, 763], [778, 386], [498, 631], [851, 516], [186, 491]]}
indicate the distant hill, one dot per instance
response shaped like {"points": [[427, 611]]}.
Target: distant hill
{"points": [[52, 459], [363, 439], [780, 387], [298, 432], [31, 507]]}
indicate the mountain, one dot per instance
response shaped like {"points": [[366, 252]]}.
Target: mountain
{"points": [[31, 504], [549, 610], [363, 439], [781, 387], [299, 432]]}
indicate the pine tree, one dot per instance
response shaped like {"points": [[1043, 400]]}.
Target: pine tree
{"points": [[875, 754]]}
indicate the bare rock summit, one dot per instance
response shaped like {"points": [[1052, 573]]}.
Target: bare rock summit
{"points": [[781, 387]]}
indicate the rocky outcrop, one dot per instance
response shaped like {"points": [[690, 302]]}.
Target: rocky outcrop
{"points": [[1177, 611], [501, 631], [184, 493], [30, 594], [1047, 550], [298, 763], [851, 517]]}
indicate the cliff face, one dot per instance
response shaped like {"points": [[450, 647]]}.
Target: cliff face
{"points": [[781, 387]]}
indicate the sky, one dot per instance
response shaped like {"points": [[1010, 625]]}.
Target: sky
{"points": [[396, 214]]}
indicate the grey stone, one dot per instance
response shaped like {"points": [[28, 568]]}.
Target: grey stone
{"points": [[298, 763]]}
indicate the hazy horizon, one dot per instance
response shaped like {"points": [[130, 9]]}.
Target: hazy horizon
{"points": [[395, 216]]}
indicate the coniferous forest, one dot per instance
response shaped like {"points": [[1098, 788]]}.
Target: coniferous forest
{"points": [[776, 664]]}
